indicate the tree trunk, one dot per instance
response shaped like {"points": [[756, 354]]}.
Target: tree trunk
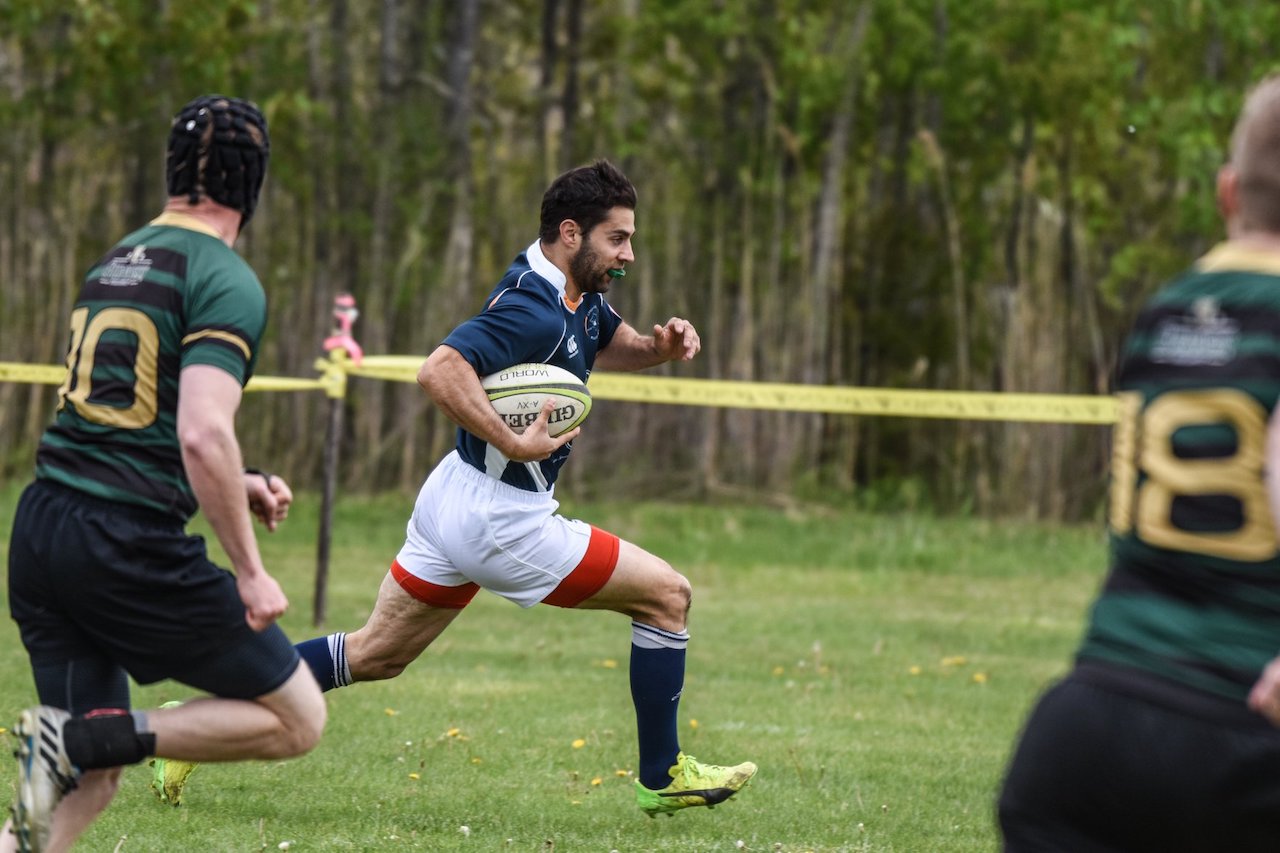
{"points": [[551, 116], [458, 252], [827, 247], [572, 70]]}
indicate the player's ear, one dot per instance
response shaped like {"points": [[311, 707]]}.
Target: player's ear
{"points": [[1228, 193], [570, 233]]}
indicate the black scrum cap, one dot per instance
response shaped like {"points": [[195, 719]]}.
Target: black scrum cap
{"points": [[218, 147]]}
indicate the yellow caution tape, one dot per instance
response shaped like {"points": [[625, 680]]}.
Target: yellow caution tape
{"points": [[392, 368], [963, 405], [52, 374], [333, 372], [283, 383], [629, 387], [41, 374]]}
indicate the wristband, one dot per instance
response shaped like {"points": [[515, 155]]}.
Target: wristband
{"points": [[266, 475]]}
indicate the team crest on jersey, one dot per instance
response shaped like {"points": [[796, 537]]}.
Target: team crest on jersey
{"points": [[572, 345], [128, 269], [1204, 335], [593, 323]]}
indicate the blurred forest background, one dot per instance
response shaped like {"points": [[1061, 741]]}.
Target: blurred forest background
{"points": [[944, 194]]}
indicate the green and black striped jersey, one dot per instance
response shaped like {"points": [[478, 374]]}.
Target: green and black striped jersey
{"points": [[1193, 594], [169, 295]]}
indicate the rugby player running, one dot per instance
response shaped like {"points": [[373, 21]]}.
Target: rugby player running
{"points": [[487, 517], [104, 582]]}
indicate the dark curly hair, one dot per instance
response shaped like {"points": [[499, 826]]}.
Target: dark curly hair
{"points": [[218, 147], [585, 195]]}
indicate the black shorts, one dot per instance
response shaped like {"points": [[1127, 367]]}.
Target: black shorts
{"points": [[100, 588], [1116, 761]]}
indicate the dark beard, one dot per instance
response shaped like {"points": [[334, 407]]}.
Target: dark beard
{"points": [[587, 272]]}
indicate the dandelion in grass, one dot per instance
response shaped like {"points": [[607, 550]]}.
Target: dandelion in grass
{"points": [[390, 712], [980, 678], [579, 743], [778, 670], [915, 670], [693, 724], [597, 781], [622, 774], [415, 776], [609, 663], [954, 660]]}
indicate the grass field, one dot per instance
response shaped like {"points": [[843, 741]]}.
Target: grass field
{"points": [[876, 667]]}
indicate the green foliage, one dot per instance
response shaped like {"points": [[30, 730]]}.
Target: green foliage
{"points": [[1135, 265], [723, 114]]}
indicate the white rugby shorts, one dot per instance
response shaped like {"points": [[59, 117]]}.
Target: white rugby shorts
{"points": [[470, 530]]}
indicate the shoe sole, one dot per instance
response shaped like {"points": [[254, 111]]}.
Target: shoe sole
{"points": [[27, 730], [711, 797]]}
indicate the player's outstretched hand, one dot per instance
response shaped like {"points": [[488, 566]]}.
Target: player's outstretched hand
{"points": [[264, 601], [1265, 696], [535, 444], [677, 340], [269, 498]]}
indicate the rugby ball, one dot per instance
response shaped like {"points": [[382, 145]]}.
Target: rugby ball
{"points": [[517, 393]]}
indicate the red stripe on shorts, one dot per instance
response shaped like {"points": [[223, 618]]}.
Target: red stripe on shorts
{"points": [[451, 597], [591, 574]]}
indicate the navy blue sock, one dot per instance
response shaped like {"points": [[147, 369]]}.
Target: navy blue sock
{"points": [[327, 659], [657, 679]]}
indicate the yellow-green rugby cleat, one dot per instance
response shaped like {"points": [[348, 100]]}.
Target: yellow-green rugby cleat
{"points": [[169, 775], [694, 784]]}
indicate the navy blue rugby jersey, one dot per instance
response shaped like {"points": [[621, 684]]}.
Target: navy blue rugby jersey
{"points": [[527, 318]]}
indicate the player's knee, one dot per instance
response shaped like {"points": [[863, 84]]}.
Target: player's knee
{"points": [[299, 735], [306, 736], [675, 596], [300, 722], [684, 594]]}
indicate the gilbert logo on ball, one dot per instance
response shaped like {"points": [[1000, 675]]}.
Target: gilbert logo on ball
{"points": [[517, 394]]}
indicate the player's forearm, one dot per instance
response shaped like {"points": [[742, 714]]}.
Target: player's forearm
{"points": [[629, 351], [452, 384], [211, 455]]}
